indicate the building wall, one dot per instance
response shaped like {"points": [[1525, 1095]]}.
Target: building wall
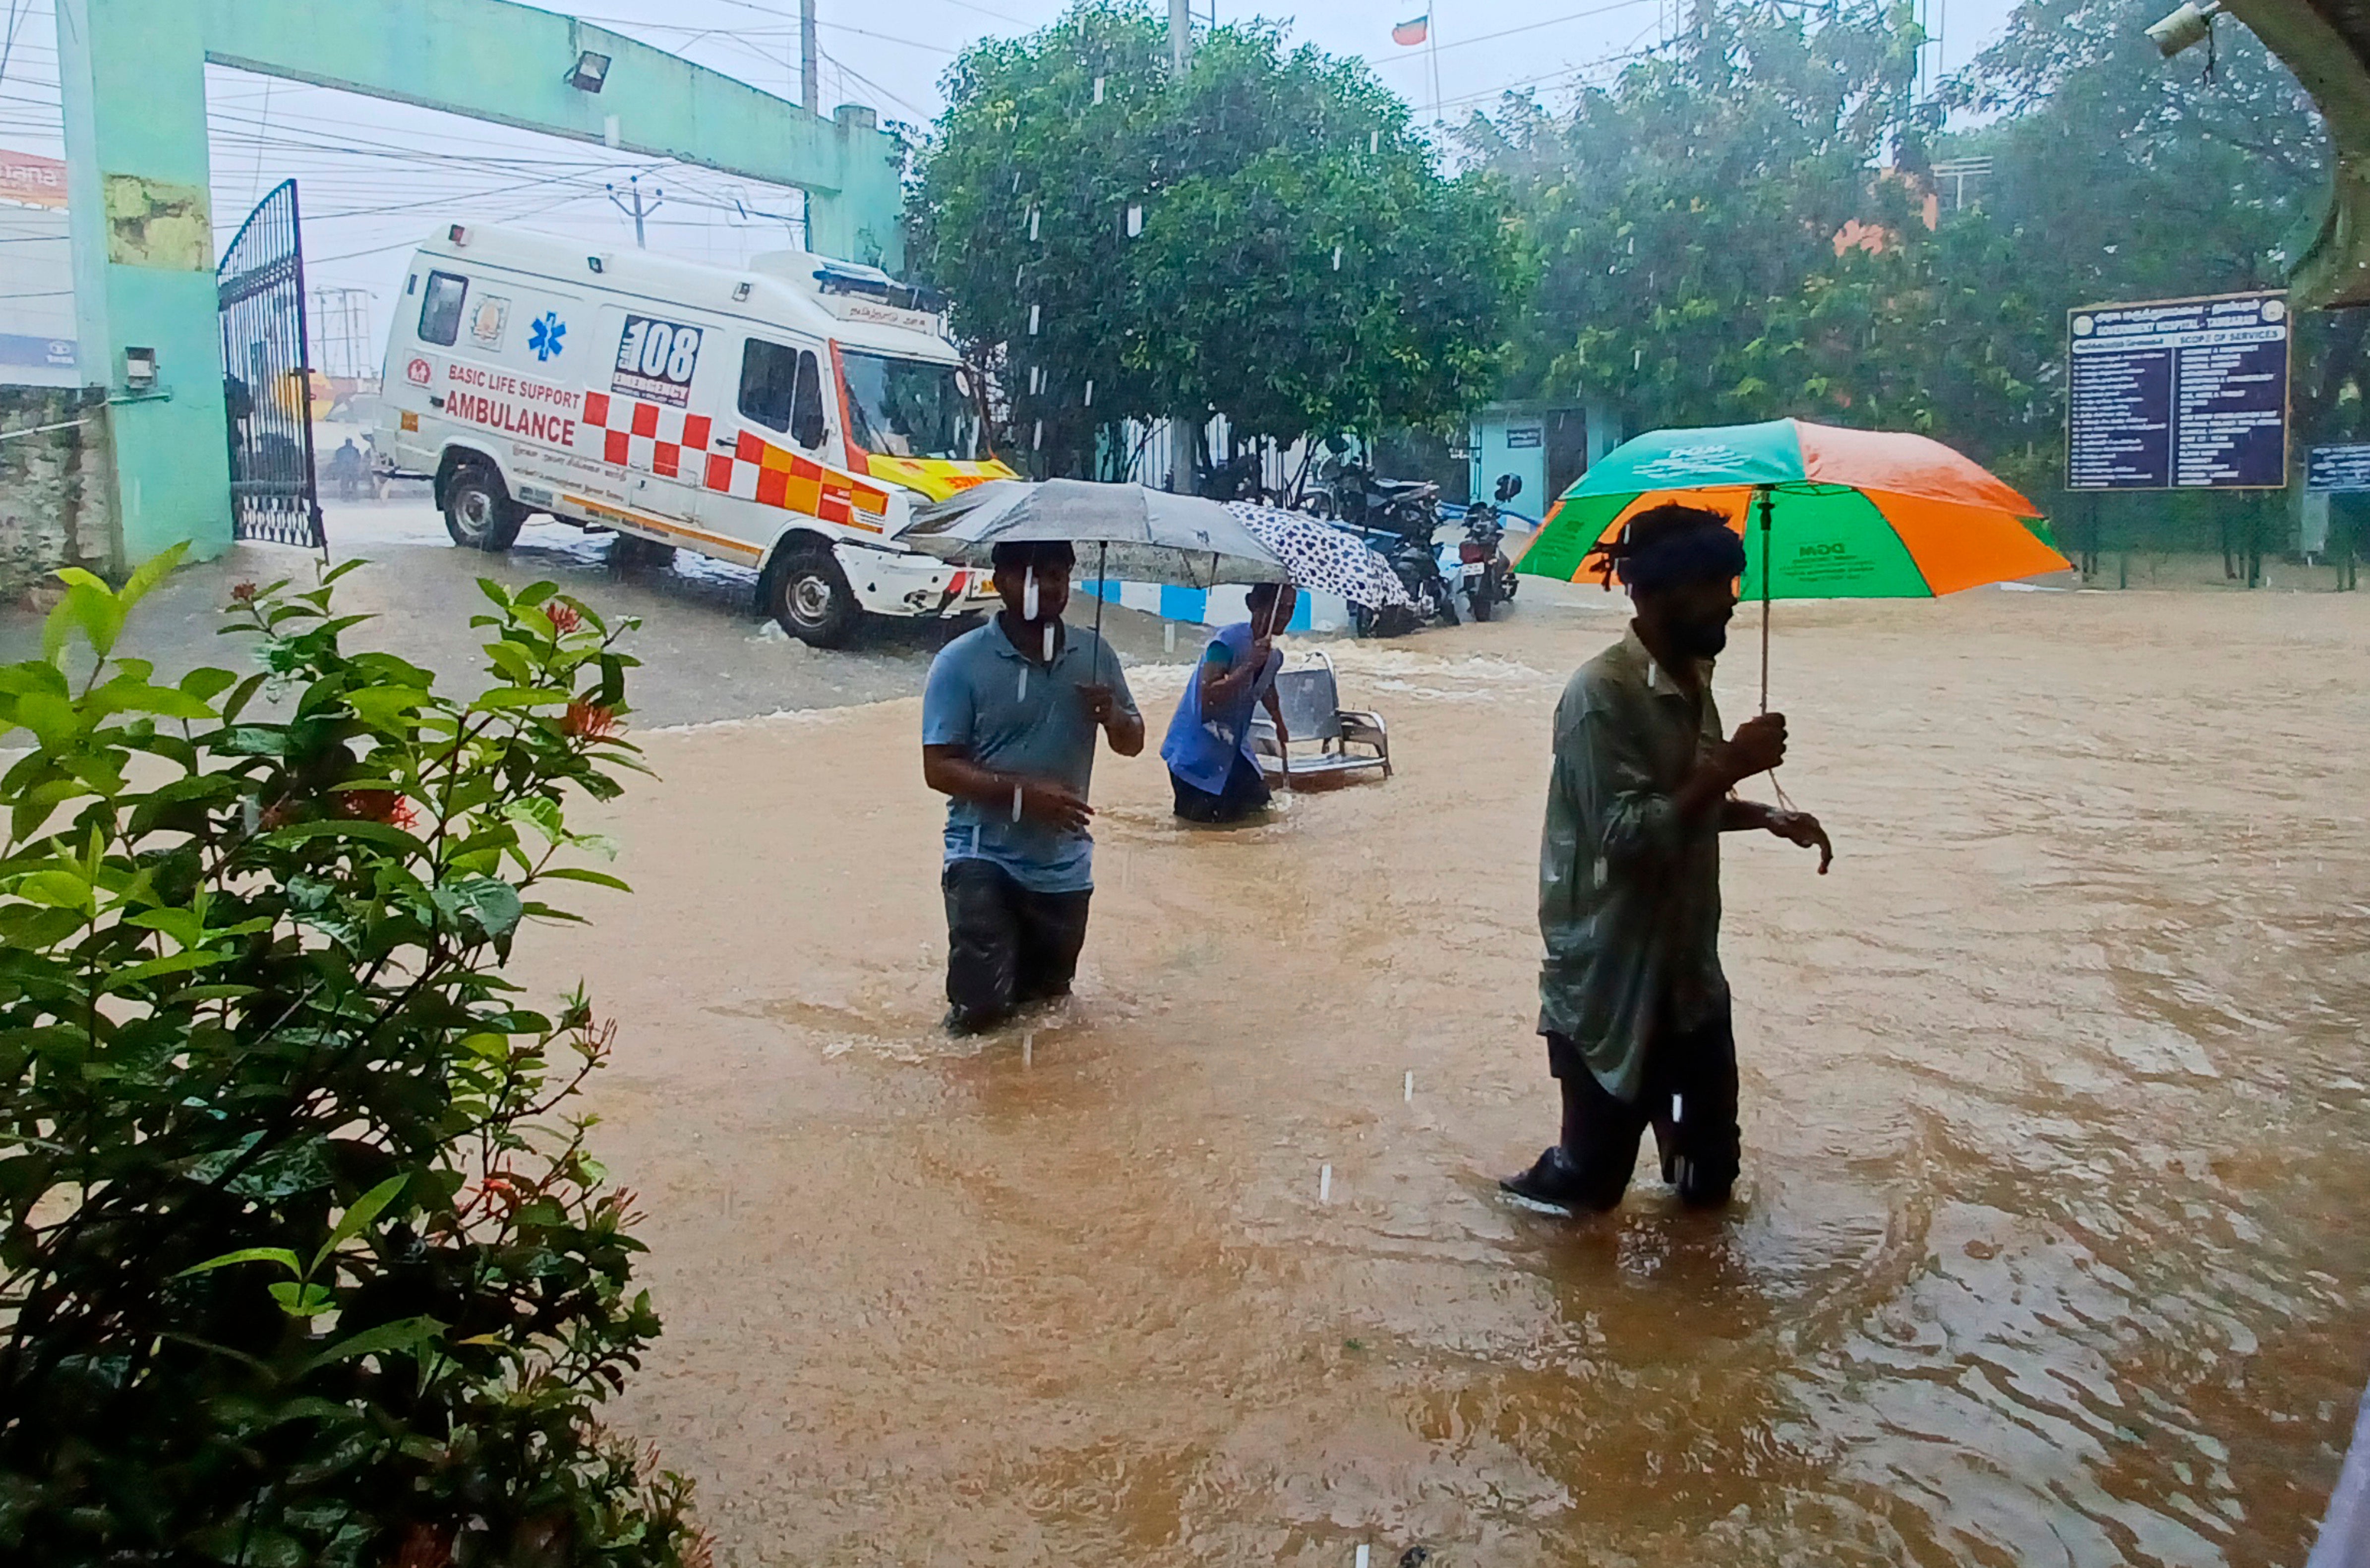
{"points": [[1511, 440], [54, 468], [37, 305], [1548, 447]]}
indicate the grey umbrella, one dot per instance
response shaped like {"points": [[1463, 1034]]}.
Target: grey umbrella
{"points": [[1138, 535]]}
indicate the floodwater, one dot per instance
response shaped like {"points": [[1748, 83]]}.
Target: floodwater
{"points": [[2051, 1239]]}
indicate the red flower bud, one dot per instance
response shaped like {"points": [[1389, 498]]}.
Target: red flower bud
{"points": [[590, 721]]}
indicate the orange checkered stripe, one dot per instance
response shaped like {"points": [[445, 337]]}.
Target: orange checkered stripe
{"points": [[761, 472], [631, 433]]}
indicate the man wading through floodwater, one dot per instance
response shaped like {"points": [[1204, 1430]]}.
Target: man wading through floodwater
{"points": [[1009, 716], [1212, 769], [1631, 998]]}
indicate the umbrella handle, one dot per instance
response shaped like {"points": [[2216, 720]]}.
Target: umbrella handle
{"points": [[1103, 570], [1764, 499]]}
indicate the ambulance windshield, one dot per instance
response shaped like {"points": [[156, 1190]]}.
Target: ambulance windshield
{"points": [[910, 408]]}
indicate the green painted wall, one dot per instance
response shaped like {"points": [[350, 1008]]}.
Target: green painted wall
{"points": [[132, 81]]}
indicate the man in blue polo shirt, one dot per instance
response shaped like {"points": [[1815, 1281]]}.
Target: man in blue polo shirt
{"points": [[1009, 716]]}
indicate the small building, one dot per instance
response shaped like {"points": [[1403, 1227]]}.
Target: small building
{"points": [[1545, 445]]}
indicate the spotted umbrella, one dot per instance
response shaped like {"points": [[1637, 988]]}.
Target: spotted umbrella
{"points": [[1324, 559]]}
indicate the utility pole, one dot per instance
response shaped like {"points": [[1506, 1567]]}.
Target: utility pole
{"points": [[1180, 432], [638, 211], [808, 88], [1705, 25]]}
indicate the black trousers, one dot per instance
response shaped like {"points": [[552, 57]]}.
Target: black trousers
{"points": [[1688, 1098], [1246, 792], [1007, 946]]}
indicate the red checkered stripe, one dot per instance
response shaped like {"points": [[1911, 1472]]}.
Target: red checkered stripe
{"points": [[647, 436], [653, 438]]}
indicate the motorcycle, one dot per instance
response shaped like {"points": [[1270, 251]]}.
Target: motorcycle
{"points": [[1238, 478], [1398, 519], [1482, 572], [1412, 559]]}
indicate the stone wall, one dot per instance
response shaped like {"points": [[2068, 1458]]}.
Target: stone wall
{"points": [[54, 479]]}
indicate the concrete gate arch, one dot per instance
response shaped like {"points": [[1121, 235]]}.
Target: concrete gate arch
{"points": [[133, 80]]}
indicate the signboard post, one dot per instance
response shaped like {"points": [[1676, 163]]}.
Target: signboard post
{"points": [[2176, 395]]}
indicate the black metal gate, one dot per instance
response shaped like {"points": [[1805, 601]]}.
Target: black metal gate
{"points": [[267, 377]]}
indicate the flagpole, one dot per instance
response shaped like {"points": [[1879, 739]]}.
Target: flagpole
{"points": [[1431, 46]]}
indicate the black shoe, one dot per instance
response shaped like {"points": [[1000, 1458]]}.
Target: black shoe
{"points": [[1551, 1181]]}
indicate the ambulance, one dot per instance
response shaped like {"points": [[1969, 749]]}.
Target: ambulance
{"points": [[787, 416]]}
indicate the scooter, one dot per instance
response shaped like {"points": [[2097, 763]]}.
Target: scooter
{"points": [[1413, 555], [1482, 573]]}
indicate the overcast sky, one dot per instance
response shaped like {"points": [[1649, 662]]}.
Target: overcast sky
{"points": [[372, 176]]}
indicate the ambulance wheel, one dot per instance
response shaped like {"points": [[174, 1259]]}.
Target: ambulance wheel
{"points": [[806, 591], [479, 513]]}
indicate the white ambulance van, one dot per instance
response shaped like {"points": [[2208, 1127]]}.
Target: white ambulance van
{"points": [[787, 417]]}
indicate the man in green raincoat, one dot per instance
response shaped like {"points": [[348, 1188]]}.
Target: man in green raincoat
{"points": [[1633, 1001]]}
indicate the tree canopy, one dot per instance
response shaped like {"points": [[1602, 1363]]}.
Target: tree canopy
{"points": [[1742, 230], [1264, 238]]}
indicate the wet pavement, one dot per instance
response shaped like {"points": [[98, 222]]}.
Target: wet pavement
{"points": [[707, 653], [2052, 1237]]}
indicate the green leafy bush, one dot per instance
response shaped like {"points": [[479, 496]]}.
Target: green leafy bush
{"points": [[304, 1260]]}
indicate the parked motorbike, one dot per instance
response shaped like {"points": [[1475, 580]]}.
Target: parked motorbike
{"points": [[1411, 556], [1239, 478], [1482, 573], [1398, 519]]}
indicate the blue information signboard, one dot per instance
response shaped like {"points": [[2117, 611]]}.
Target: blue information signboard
{"points": [[2338, 470], [2178, 395]]}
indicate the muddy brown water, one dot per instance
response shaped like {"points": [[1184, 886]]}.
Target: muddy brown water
{"points": [[2051, 1244]]}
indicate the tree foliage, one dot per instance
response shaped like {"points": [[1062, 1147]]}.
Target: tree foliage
{"points": [[1300, 264], [1740, 231], [301, 1263], [1685, 220]]}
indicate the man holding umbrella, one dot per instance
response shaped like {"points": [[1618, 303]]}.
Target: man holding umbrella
{"points": [[1010, 716], [1633, 1001]]}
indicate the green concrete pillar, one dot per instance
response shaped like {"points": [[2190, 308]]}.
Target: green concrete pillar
{"points": [[132, 78]]}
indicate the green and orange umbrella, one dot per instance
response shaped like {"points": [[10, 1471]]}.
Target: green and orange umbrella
{"points": [[1825, 513]]}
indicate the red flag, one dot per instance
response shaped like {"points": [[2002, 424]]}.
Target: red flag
{"points": [[1412, 32]]}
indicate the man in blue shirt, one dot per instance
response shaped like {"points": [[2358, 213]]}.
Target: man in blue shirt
{"points": [[1009, 716], [1209, 746]]}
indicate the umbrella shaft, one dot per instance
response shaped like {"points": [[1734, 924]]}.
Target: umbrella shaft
{"points": [[1765, 565]]}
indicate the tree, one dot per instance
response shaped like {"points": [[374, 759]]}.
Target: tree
{"points": [[1739, 232], [1687, 219], [299, 1264], [1265, 238]]}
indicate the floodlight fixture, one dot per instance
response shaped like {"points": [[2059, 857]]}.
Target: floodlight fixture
{"points": [[591, 72]]}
